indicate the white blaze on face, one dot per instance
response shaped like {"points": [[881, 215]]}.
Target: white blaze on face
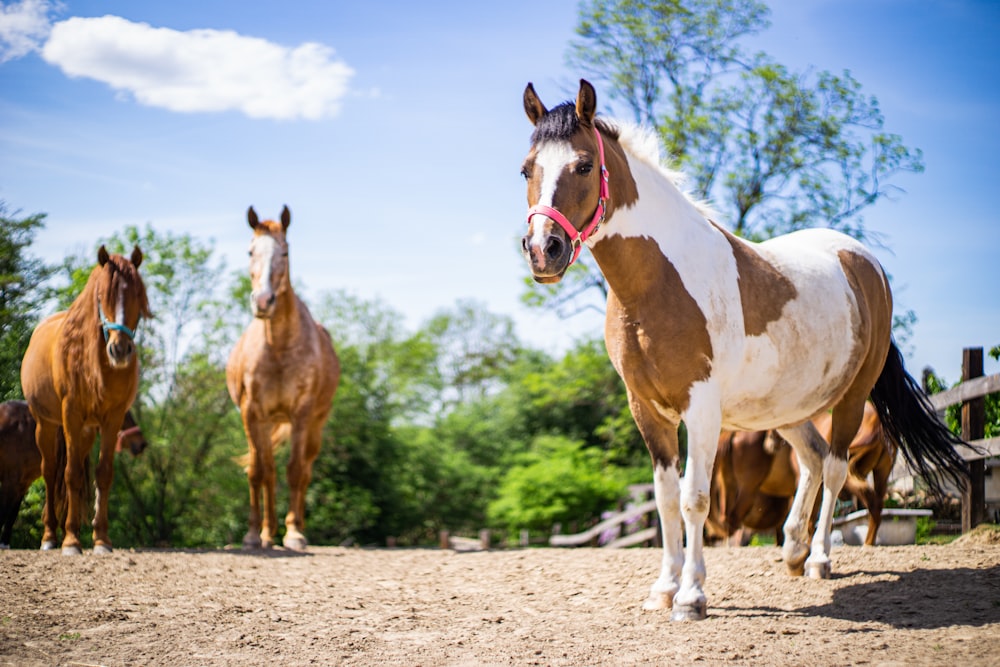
{"points": [[551, 160], [120, 309], [262, 253]]}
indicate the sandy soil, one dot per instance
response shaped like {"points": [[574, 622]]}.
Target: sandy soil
{"points": [[915, 605]]}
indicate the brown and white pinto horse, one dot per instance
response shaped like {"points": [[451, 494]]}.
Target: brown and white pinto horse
{"points": [[80, 372], [282, 374], [719, 332], [21, 462], [756, 475]]}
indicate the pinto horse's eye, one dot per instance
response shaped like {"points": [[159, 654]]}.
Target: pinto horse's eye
{"points": [[584, 168], [525, 173]]}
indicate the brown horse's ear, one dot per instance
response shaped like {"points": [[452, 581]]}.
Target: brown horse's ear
{"points": [[286, 218], [103, 256], [586, 103], [252, 218], [533, 106], [136, 257]]}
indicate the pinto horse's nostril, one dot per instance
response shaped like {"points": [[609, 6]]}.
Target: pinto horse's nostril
{"points": [[554, 248], [525, 244]]}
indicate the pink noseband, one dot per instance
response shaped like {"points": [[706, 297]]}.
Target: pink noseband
{"points": [[579, 237]]}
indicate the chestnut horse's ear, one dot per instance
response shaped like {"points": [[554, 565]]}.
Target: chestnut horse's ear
{"points": [[252, 218], [533, 106], [136, 256], [102, 256], [586, 103], [286, 217]]}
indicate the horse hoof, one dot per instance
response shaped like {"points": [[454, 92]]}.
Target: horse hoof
{"points": [[294, 542], [102, 549], [795, 557], [657, 601], [251, 542], [689, 612], [818, 570], [71, 551], [48, 545]]}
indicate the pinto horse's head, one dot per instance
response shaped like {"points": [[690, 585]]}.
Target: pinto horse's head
{"points": [[121, 301], [567, 182], [268, 262]]}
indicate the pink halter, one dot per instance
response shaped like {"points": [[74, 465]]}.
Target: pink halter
{"points": [[579, 237]]}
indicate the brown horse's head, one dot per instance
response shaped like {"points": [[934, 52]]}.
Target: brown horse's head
{"points": [[268, 262], [564, 171], [121, 301]]}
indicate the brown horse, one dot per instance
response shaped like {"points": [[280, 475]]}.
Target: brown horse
{"points": [[282, 374], [756, 475], [80, 372], [21, 462], [720, 333]]}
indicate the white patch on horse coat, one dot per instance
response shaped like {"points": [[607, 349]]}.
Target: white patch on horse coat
{"points": [[263, 254]]}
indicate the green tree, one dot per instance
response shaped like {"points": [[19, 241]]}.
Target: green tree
{"points": [[22, 294]]}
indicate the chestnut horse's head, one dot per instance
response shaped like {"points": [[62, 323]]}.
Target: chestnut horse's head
{"points": [[121, 301], [268, 262], [567, 182]]}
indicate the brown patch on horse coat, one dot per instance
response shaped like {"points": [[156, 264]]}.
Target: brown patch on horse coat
{"points": [[656, 334], [764, 298]]}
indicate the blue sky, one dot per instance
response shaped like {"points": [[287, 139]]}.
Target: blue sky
{"points": [[395, 133]]}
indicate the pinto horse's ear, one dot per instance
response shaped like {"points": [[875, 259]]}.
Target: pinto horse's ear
{"points": [[103, 256], [136, 256], [533, 106], [286, 217], [252, 218], [586, 103]]}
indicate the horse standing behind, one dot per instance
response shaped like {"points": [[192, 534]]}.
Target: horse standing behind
{"points": [[81, 372], [719, 332], [21, 462], [282, 374], [756, 475]]}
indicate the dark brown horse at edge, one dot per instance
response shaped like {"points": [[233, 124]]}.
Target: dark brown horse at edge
{"points": [[756, 475], [282, 375], [21, 462], [81, 373]]}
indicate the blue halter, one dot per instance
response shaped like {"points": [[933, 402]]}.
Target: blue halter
{"points": [[107, 325]]}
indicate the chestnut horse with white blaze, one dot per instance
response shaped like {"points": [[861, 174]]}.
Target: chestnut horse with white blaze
{"points": [[282, 374], [719, 332], [81, 372]]}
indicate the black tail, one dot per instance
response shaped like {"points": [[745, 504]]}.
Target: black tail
{"points": [[908, 418]]}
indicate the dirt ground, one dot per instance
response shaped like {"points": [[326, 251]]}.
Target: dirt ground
{"points": [[914, 605]]}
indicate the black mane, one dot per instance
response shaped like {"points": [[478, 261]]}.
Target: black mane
{"points": [[561, 123]]}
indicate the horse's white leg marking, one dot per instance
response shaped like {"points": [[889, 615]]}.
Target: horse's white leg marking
{"points": [[703, 419], [811, 450], [834, 474], [666, 488]]}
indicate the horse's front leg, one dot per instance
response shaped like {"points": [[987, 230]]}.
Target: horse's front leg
{"points": [[105, 475], [76, 478], [811, 450], [305, 447], [660, 436], [260, 465], [703, 420]]}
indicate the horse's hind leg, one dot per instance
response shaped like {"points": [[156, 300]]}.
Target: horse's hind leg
{"points": [[46, 438], [811, 450]]}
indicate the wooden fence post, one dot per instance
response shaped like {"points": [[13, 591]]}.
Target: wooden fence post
{"points": [[973, 426]]}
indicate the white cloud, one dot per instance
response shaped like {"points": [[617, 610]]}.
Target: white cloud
{"points": [[23, 27], [201, 70]]}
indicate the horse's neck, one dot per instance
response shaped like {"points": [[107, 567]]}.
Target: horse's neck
{"points": [[284, 326], [662, 222]]}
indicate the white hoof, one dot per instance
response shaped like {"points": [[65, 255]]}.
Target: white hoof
{"points": [[696, 611], [819, 570]]}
